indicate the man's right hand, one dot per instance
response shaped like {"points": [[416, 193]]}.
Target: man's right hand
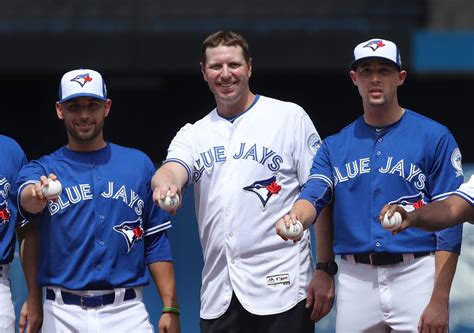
{"points": [[37, 189], [162, 191]]}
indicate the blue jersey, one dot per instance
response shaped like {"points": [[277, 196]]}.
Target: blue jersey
{"points": [[13, 158], [105, 228], [411, 162]]}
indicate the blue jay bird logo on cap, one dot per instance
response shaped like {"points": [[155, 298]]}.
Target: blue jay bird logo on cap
{"points": [[375, 44], [264, 189], [82, 79], [132, 231]]}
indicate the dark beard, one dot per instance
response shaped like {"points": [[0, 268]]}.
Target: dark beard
{"points": [[73, 133]]}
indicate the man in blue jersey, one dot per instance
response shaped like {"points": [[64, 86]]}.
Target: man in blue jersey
{"points": [[457, 208], [388, 155], [13, 159], [100, 233]]}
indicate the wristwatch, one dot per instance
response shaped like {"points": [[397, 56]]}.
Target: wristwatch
{"points": [[329, 267]]}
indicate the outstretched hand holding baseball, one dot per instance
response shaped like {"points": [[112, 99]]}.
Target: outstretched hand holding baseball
{"points": [[48, 188], [289, 228], [394, 218], [168, 198], [34, 197]]}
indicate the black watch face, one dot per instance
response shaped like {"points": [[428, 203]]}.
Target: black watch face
{"points": [[332, 268], [328, 267]]}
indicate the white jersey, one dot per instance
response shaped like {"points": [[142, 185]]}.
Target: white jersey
{"points": [[466, 191], [247, 173]]}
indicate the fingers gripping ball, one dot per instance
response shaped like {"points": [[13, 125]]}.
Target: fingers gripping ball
{"points": [[392, 223], [169, 202], [295, 231], [54, 188]]}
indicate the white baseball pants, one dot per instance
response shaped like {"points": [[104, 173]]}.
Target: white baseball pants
{"points": [[120, 316], [375, 299], [7, 312]]}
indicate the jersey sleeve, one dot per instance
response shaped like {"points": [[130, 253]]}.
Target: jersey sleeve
{"points": [[20, 219], [444, 178], [307, 142], [466, 191], [157, 221], [19, 160], [181, 150], [29, 174], [319, 187]]}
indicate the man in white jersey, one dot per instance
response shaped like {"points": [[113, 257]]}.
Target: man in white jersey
{"points": [[247, 160], [456, 209]]}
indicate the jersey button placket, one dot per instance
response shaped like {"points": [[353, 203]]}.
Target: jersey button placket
{"points": [[230, 242]]}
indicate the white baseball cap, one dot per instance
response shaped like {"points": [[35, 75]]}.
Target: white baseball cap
{"points": [[82, 82], [377, 48]]}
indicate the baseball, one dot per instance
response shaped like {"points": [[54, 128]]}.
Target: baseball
{"points": [[169, 202], [295, 231], [54, 188], [392, 223]]}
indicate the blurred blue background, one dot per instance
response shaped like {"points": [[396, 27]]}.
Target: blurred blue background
{"points": [[188, 264]]}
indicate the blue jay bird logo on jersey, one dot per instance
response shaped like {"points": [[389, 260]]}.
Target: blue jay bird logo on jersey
{"points": [[4, 212], [375, 44], [4, 192], [132, 231], [410, 202], [264, 189], [82, 79]]}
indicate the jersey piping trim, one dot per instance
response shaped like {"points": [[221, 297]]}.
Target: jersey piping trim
{"points": [[22, 223], [465, 196], [183, 164], [232, 119], [441, 196], [323, 178], [158, 228]]}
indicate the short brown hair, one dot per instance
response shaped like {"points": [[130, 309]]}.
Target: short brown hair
{"points": [[225, 38]]}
